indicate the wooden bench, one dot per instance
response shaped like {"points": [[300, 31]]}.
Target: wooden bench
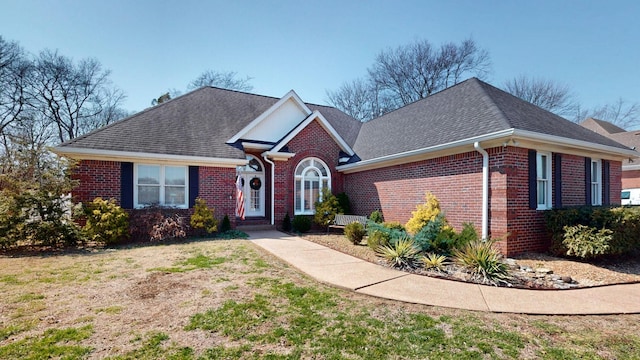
{"points": [[340, 221]]}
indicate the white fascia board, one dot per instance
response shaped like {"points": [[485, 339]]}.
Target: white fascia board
{"points": [[111, 155], [573, 143], [290, 95], [256, 146], [508, 134], [630, 167], [325, 124], [278, 156], [408, 156]]}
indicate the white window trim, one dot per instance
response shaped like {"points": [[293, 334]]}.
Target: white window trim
{"points": [[297, 177], [597, 182], [161, 185], [547, 205]]}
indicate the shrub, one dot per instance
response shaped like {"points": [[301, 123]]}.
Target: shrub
{"points": [[402, 254], [376, 239], [586, 242], [426, 238], [423, 214], [624, 222], [344, 203], [483, 262], [355, 232], [326, 208], [171, 227], [301, 223], [232, 234], [392, 231], [106, 222], [466, 235], [203, 217], [433, 261], [376, 217], [286, 223], [226, 224]]}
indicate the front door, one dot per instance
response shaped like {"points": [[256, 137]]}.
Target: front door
{"points": [[253, 187]]}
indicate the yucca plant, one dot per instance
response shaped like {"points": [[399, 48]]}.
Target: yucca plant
{"points": [[433, 261], [483, 262], [400, 254]]}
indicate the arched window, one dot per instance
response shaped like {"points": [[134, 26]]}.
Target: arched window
{"points": [[312, 175]]}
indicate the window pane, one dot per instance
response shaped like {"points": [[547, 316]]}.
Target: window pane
{"points": [[542, 167], [542, 192], [174, 195], [254, 165], [149, 174], [298, 195], [148, 195], [311, 174], [594, 172], [323, 170], [174, 175], [303, 165]]}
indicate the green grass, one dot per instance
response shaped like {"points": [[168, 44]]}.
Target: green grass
{"points": [[110, 310], [199, 261], [53, 343]]}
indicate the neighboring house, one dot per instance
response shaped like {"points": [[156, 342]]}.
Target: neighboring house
{"points": [[491, 159], [630, 166]]}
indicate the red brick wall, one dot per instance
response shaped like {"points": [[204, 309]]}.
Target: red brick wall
{"points": [[616, 181], [217, 187], [396, 190], [457, 182], [312, 141], [96, 179]]}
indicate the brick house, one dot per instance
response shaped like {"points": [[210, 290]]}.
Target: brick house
{"points": [[492, 159], [630, 167]]}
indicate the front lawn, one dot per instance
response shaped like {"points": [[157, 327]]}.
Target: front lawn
{"points": [[213, 299]]}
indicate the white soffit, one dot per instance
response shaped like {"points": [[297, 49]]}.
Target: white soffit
{"points": [[276, 122]]}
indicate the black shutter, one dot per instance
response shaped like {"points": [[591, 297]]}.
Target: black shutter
{"points": [[606, 182], [587, 181], [557, 179], [126, 185], [533, 177], [193, 185]]}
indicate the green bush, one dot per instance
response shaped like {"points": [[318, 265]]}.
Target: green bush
{"points": [[483, 262], [226, 224], [106, 222], [624, 222], [402, 254], [376, 239], [426, 238], [286, 223], [344, 203], [393, 231], [326, 208], [203, 218], [587, 242], [355, 232], [423, 214], [376, 217], [301, 223]]}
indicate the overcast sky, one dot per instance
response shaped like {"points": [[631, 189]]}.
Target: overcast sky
{"points": [[313, 46]]}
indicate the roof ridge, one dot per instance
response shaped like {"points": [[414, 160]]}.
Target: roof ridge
{"points": [[492, 102]]}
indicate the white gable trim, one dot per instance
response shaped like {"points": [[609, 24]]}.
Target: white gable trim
{"points": [[291, 95], [325, 125]]}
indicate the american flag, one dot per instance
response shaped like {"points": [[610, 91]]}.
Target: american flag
{"points": [[239, 199]]}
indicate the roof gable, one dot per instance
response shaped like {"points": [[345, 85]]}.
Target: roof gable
{"points": [[273, 124], [316, 115]]}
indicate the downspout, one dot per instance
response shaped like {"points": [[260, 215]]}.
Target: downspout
{"points": [[273, 189], [485, 190]]}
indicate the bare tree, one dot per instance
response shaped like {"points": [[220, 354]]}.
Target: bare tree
{"points": [[409, 73], [15, 69], [622, 113], [360, 99], [72, 95], [226, 80], [417, 70], [547, 94]]}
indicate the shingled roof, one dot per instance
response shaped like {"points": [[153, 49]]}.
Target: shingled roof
{"points": [[469, 109], [197, 124]]}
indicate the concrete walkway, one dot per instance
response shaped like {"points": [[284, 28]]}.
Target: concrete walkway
{"points": [[345, 271]]}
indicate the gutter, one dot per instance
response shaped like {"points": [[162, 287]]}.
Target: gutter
{"points": [[485, 190], [273, 188]]}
